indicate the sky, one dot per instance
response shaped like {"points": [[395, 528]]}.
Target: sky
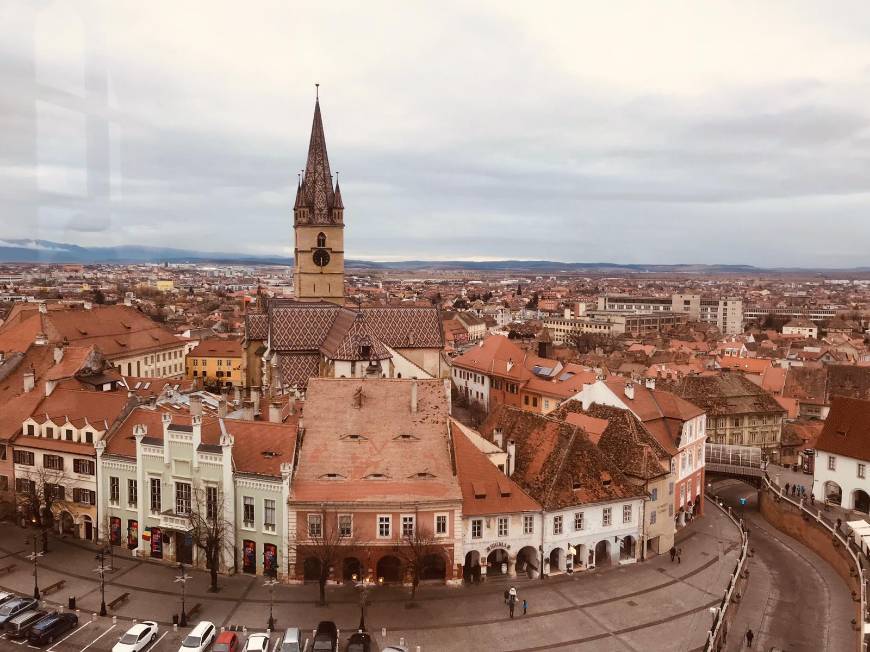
{"points": [[630, 132]]}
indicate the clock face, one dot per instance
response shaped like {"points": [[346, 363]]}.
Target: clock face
{"points": [[321, 257]]}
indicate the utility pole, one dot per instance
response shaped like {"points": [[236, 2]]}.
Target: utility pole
{"points": [[33, 557], [101, 570], [271, 582], [182, 577]]}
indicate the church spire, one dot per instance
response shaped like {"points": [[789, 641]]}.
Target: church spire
{"points": [[317, 193]]}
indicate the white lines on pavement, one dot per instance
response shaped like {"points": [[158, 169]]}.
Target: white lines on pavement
{"points": [[76, 631], [98, 638], [157, 642], [277, 643]]}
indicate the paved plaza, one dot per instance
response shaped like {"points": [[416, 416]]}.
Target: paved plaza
{"points": [[651, 605]]}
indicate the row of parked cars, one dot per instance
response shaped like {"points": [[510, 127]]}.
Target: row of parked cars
{"points": [[22, 618]]}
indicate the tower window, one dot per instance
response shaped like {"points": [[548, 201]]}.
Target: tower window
{"points": [[321, 239]]}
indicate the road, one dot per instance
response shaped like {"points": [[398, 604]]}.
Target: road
{"points": [[794, 600]]}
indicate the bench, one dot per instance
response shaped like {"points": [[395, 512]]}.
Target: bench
{"points": [[194, 611], [54, 587], [119, 600], [7, 569]]}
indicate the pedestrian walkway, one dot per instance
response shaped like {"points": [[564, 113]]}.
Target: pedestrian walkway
{"points": [[639, 606]]}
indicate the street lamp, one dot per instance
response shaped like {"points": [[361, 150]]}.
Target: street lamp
{"points": [[33, 556], [182, 577], [364, 585], [271, 582], [101, 569]]}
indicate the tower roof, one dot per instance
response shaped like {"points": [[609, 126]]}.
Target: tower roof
{"points": [[317, 193]]}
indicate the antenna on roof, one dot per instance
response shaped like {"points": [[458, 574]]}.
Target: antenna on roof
{"points": [[317, 92]]}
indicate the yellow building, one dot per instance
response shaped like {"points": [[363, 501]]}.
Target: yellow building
{"points": [[165, 285], [216, 362]]}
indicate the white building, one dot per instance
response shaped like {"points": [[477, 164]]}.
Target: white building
{"points": [[843, 455]]}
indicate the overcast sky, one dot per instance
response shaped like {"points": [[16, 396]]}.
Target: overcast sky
{"points": [[638, 132]]}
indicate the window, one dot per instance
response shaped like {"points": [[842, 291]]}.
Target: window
{"points": [[476, 528], [832, 463], [652, 517], [654, 494], [269, 515], [25, 486], [528, 524], [315, 526], [384, 526], [182, 498], [862, 470], [578, 521], [53, 462], [211, 503], [30, 429], [248, 511], [441, 524], [627, 513], [345, 525], [503, 524], [49, 431], [155, 495], [670, 489], [407, 526], [606, 516], [321, 240], [68, 434], [557, 525], [132, 493], [89, 438], [114, 490], [84, 496], [26, 458], [4, 483]]}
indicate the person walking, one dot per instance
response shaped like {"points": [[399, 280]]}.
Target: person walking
{"points": [[787, 485], [512, 604], [749, 637], [525, 606], [679, 555], [507, 594], [673, 553], [812, 498], [513, 593]]}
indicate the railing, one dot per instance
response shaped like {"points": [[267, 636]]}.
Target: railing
{"points": [[714, 636], [863, 625]]}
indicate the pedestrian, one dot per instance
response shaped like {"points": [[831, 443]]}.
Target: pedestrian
{"points": [[679, 555], [749, 637], [512, 603], [513, 593], [787, 485], [673, 554], [812, 498], [525, 606], [507, 594]]}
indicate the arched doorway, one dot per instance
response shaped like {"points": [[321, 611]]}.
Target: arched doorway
{"points": [[349, 567], [861, 501], [471, 568], [527, 561], [497, 562], [311, 569], [557, 560], [88, 526], [390, 568], [627, 548], [833, 492], [582, 556], [602, 553], [434, 568], [67, 523]]}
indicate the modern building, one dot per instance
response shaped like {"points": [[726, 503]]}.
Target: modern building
{"points": [[843, 455], [801, 328], [726, 313]]}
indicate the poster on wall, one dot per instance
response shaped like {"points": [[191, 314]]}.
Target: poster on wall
{"points": [[132, 533], [270, 559], [156, 543], [115, 530], [249, 556]]}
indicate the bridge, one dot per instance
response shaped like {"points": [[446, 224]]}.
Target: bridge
{"points": [[742, 462]]}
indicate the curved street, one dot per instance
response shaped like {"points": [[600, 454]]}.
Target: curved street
{"points": [[794, 600], [653, 605]]}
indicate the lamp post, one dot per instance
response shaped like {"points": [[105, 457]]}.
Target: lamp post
{"points": [[364, 585], [271, 583], [33, 556], [101, 569], [182, 577]]}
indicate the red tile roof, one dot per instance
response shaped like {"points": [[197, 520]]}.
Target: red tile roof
{"points": [[847, 429]]}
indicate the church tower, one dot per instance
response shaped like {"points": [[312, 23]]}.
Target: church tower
{"points": [[318, 223]]}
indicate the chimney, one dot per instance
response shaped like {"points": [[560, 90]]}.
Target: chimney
{"points": [[275, 412], [29, 380], [413, 397], [222, 406], [498, 438], [512, 455], [195, 405], [255, 397], [196, 422], [629, 391], [128, 298], [86, 305], [248, 410], [650, 383], [510, 364], [43, 308], [292, 405], [41, 339], [58, 354]]}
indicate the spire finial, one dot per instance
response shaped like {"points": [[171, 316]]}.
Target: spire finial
{"points": [[317, 92]]}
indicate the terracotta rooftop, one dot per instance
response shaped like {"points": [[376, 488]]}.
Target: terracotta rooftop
{"points": [[722, 394], [847, 429]]}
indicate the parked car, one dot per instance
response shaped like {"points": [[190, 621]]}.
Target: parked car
{"points": [[200, 637], [52, 627], [18, 626], [326, 637], [394, 648], [226, 642], [257, 643], [6, 597], [10, 609], [359, 642], [292, 640], [137, 637]]}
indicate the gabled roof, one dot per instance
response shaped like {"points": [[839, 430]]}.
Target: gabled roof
{"points": [[847, 429], [723, 394], [348, 337]]}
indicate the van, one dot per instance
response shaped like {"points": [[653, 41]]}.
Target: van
{"points": [[21, 624], [291, 642]]}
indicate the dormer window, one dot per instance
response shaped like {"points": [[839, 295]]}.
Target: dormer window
{"points": [[406, 437], [376, 476], [354, 437], [332, 476], [321, 239], [422, 475], [365, 351]]}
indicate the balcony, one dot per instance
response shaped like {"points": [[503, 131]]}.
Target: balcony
{"points": [[173, 521]]}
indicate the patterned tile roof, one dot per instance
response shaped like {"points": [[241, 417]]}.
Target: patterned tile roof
{"points": [[297, 368], [257, 325], [300, 326], [349, 336]]}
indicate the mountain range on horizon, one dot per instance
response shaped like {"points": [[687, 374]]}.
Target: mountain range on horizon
{"points": [[49, 252]]}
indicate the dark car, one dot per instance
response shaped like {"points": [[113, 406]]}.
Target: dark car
{"points": [[52, 627], [8, 610], [18, 626], [359, 642], [326, 637]]}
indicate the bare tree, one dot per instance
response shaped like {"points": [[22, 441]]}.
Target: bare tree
{"points": [[40, 492], [210, 530], [417, 549], [323, 540]]}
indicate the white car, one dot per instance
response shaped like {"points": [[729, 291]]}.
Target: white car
{"points": [[257, 643], [137, 637], [200, 637]]}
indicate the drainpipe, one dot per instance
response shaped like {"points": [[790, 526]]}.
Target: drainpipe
{"points": [[543, 528]]}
